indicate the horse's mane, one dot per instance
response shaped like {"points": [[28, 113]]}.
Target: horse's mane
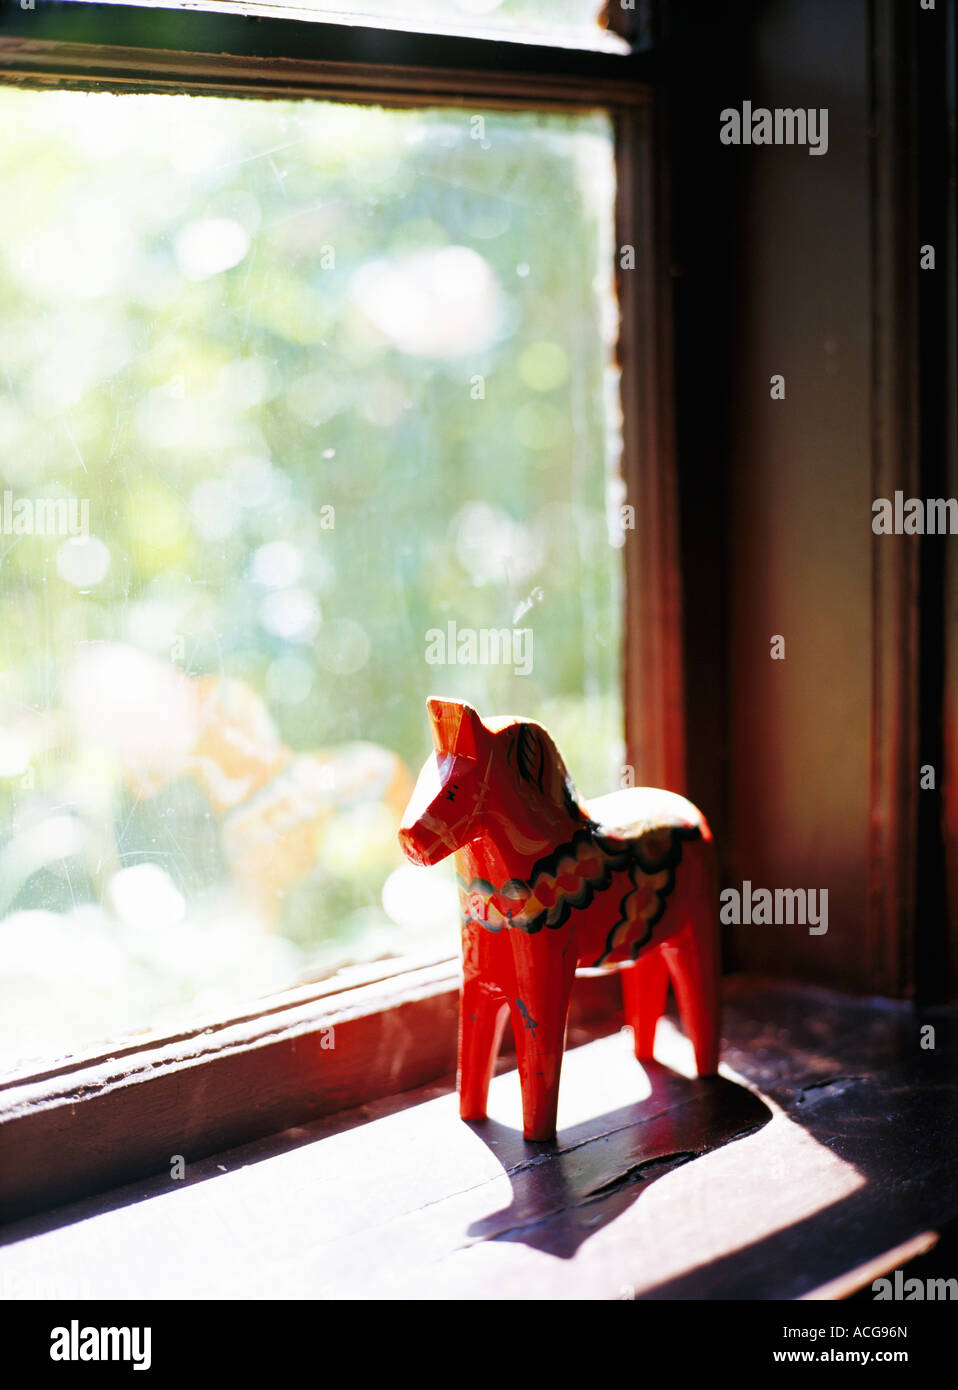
{"points": [[540, 765]]}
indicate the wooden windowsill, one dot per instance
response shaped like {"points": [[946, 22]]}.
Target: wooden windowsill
{"points": [[828, 1146], [132, 46], [102, 1118]]}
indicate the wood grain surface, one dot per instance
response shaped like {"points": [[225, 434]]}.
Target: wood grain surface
{"points": [[830, 1139]]}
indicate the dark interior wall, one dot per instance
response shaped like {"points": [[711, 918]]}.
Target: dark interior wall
{"points": [[948, 163], [800, 493], [937, 160], [777, 272]]}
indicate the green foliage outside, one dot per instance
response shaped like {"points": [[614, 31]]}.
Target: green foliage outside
{"points": [[327, 378]]}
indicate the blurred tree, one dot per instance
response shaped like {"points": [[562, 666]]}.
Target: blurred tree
{"points": [[328, 377]]}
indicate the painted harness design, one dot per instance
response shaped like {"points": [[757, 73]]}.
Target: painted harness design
{"points": [[570, 877]]}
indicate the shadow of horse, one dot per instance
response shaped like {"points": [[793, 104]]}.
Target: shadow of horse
{"points": [[565, 1190]]}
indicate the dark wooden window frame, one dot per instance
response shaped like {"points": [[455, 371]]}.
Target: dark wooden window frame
{"points": [[109, 1116]]}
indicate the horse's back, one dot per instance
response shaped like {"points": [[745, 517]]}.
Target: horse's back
{"points": [[665, 849], [634, 812]]}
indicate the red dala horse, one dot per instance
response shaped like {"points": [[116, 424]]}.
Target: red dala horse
{"points": [[548, 883]]}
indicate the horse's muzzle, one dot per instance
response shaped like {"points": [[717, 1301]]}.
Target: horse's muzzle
{"points": [[411, 843]]}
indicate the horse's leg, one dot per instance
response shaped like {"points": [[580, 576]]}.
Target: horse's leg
{"points": [[644, 987], [483, 1008], [544, 971], [693, 958]]}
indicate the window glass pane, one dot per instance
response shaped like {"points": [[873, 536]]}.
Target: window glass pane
{"points": [[285, 388]]}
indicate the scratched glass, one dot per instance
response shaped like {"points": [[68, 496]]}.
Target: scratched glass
{"points": [[307, 411]]}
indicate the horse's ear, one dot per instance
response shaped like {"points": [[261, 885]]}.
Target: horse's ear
{"points": [[456, 727]]}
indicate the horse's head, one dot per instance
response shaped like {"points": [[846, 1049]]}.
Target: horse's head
{"points": [[443, 812], [504, 777]]}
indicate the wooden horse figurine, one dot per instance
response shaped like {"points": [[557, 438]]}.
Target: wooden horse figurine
{"points": [[548, 882]]}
